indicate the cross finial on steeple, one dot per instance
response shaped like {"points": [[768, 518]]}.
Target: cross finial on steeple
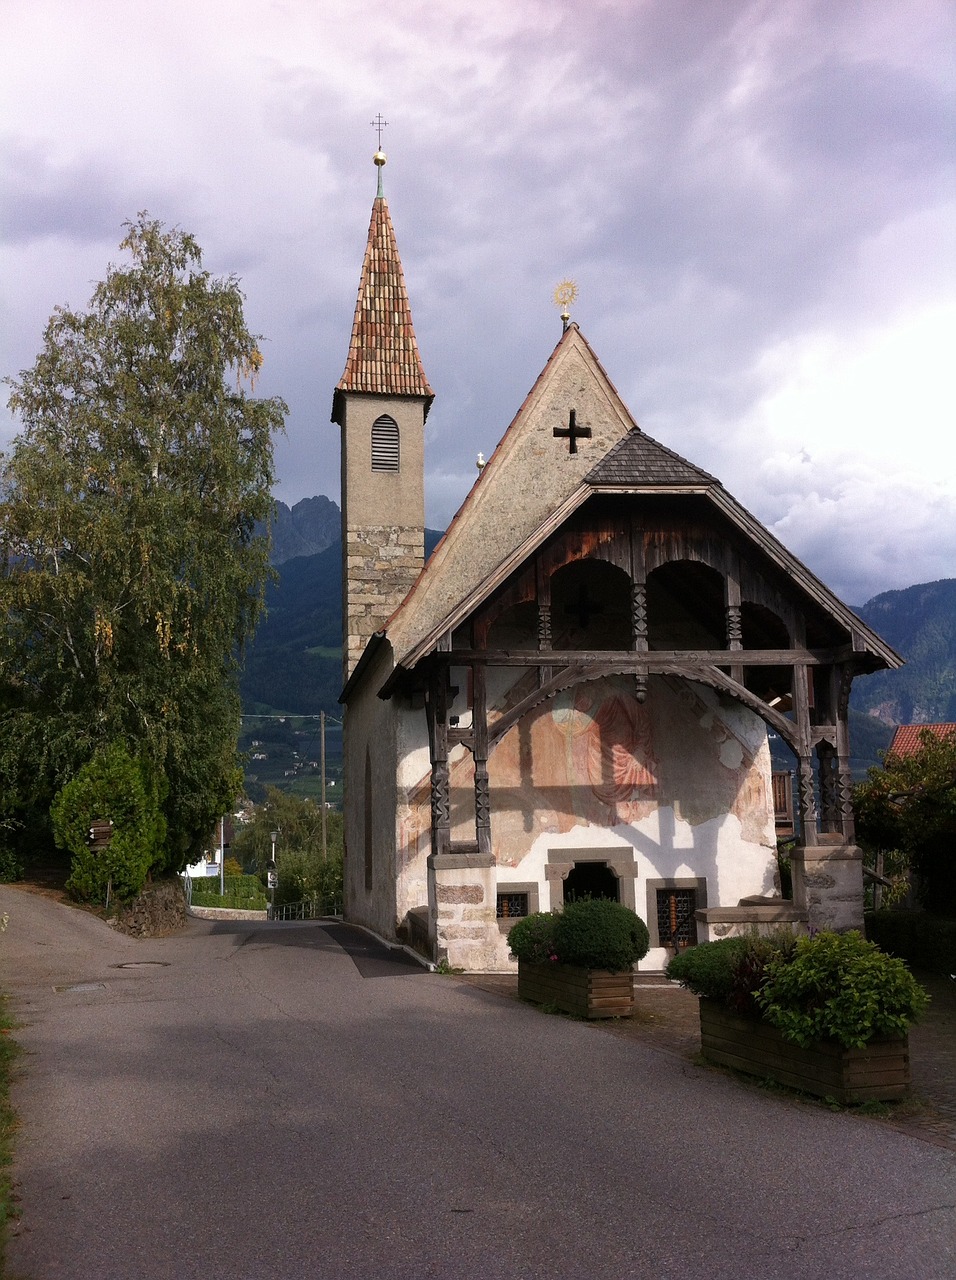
{"points": [[379, 123], [378, 159]]}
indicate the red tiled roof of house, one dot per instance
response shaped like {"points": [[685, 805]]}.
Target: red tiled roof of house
{"points": [[906, 739], [383, 353]]}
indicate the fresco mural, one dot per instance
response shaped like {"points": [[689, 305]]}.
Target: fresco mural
{"points": [[595, 757]]}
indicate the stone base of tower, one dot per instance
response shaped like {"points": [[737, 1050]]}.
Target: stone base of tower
{"points": [[381, 564], [463, 929], [828, 885]]}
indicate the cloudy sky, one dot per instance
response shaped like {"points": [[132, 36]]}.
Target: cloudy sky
{"points": [[755, 198]]}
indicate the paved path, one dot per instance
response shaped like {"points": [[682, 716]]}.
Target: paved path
{"points": [[256, 1102]]}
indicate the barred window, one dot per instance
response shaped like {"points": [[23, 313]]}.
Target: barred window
{"points": [[385, 452], [676, 926], [509, 906]]}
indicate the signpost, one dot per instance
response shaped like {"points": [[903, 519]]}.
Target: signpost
{"points": [[272, 876]]}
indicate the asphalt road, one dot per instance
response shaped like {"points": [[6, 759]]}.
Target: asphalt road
{"points": [[253, 1101]]}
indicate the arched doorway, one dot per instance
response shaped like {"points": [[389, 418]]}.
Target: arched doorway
{"points": [[591, 880]]}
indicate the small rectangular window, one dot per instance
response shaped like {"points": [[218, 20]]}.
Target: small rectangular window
{"points": [[510, 906], [676, 926]]}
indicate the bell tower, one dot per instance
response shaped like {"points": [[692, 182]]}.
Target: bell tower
{"points": [[380, 403]]}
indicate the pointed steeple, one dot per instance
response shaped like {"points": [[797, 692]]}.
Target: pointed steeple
{"points": [[383, 356], [380, 403]]}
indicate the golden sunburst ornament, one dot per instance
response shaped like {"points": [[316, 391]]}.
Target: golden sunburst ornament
{"points": [[565, 296]]}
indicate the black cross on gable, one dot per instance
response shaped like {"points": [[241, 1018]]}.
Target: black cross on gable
{"points": [[572, 433]]}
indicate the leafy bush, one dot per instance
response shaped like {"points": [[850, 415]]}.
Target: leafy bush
{"points": [[112, 786], [922, 940], [598, 934], [591, 934], [305, 874], [532, 938], [750, 969], [839, 987], [240, 892], [11, 868], [708, 969]]}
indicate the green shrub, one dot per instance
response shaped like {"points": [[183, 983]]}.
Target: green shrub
{"points": [[708, 969], [750, 969], [591, 934], [329, 883], [840, 987], [304, 873], [117, 787], [925, 941], [532, 938], [240, 892], [11, 868], [598, 934]]}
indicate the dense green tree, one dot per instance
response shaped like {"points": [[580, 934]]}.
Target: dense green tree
{"points": [[111, 786], [909, 805], [131, 572]]}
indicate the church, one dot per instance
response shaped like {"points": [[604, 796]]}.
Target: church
{"points": [[573, 696]]}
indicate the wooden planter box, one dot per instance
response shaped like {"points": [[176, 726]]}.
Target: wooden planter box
{"points": [[587, 993], [879, 1072]]}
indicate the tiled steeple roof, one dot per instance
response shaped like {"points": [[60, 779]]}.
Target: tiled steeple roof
{"points": [[637, 459], [383, 355]]}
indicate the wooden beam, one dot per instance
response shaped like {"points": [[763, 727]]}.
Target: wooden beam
{"points": [[651, 660], [709, 675], [564, 679]]}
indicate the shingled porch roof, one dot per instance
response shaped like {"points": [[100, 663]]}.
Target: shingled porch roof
{"points": [[637, 459]]}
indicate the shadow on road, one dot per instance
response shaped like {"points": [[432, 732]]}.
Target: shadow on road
{"points": [[372, 958]]}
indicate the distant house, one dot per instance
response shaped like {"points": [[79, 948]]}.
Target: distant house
{"points": [[906, 739], [208, 865]]}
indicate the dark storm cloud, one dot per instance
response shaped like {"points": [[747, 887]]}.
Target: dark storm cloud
{"points": [[39, 196], [748, 193]]}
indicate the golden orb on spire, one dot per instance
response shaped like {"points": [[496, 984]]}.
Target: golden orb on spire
{"points": [[379, 158]]}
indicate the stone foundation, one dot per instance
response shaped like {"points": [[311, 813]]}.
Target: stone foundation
{"points": [[463, 931], [765, 915], [828, 885]]}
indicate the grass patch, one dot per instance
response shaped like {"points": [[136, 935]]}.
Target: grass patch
{"points": [[9, 1050]]}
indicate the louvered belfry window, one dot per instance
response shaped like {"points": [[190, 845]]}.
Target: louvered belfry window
{"points": [[385, 444]]}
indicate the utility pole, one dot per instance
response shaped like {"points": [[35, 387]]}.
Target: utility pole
{"points": [[324, 810]]}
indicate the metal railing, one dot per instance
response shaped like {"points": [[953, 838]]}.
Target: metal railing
{"points": [[314, 908]]}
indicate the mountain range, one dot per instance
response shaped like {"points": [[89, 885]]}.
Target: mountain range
{"points": [[294, 665]]}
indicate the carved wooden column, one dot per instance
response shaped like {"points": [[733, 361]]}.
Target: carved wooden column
{"points": [[844, 678], [438, 734], [806, 799], [638, 604], [733, 619], [479, 728], [801, 713], [830, 815], [543, 593]]}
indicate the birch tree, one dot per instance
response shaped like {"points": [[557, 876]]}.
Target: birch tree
{"points": [[131, 574]]}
